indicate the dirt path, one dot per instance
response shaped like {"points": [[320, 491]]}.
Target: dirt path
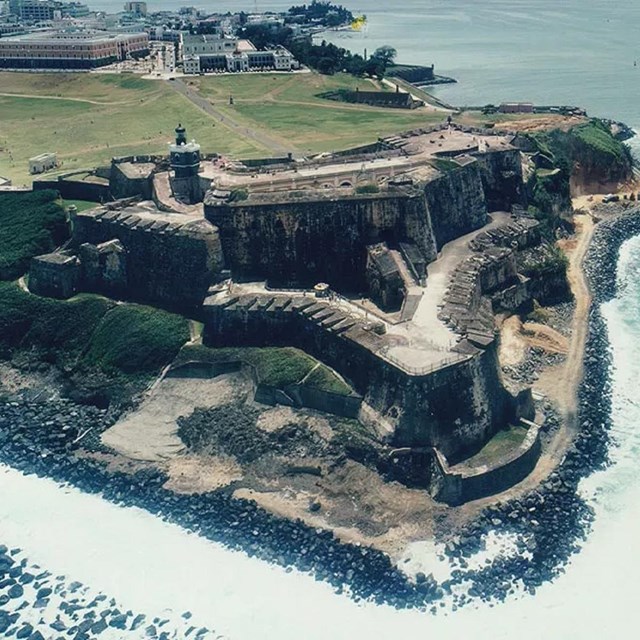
{"points": [[258, 136], [571, 374], [66, 99], [561, 384]]}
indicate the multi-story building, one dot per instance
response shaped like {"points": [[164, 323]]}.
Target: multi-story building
{"points": [[204, 53], [46, 10], [208, 44], [70, 49], [137, 8]]}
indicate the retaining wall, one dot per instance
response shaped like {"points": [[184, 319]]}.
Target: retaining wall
{"points": [[458, 486]]}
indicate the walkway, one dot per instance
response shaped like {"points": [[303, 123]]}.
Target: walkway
{"points": [[429, 339]]}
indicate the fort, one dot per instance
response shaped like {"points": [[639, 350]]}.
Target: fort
{"points": [[387, 263]]}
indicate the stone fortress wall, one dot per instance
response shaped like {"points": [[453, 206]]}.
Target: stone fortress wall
{"points": [[134, 251], [454, 407], [296, 224], [307, 238]]}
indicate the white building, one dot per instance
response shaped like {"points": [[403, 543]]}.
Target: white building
{"points": [[218, 53], [42, 163]]}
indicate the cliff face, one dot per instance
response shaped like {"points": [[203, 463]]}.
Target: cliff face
{"points": [[308, 240], [501, 173], [589, 153], [456, 203]]}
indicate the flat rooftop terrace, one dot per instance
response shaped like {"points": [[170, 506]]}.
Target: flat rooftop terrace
{"points": [[413, 152]]}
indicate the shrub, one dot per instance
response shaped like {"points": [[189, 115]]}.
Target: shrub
{"points": [[33, 222], [367, 188], [136, 339]]}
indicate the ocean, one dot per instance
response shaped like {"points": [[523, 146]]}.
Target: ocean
{"points": [[572, 52]]}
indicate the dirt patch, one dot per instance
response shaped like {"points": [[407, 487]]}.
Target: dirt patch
{"points": [[541, 123], [200, 474], [545, 337], [151, 431], [278, 418], [356, 503], [513, 347], [45, 384]]}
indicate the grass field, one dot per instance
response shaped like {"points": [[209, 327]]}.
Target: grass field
{"points": [[88, 118], [96, 117], [289, 107]]}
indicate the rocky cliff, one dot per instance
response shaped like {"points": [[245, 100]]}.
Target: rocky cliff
{"points": [[589, 154], [502, 180]]}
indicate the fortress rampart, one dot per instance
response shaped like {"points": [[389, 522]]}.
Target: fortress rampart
{"points": [[307, 238], [454, 405], [170, 260]]}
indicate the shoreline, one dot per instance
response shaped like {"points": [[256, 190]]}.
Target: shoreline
{"points": [[561, 518]]}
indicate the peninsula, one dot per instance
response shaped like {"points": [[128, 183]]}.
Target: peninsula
{"points": [[360, 346]]}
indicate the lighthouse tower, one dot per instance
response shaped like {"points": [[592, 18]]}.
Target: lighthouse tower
{"points": [[185, 164]]}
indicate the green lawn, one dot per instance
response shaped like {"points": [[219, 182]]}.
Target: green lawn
{"points": [[81, 205], [89, 118], [288, 107], [98, 117]]}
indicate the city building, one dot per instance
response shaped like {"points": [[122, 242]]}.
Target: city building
{"points": [[207, 44], [137, 8], [46, 10], [203, 53], [70, 49]]}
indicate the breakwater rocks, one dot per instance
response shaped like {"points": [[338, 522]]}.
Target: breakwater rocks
{"points": [[602, 257], [36, 605], [41, 439]]}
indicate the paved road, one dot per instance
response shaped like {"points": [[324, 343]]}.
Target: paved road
{"points": [[258, 136]]}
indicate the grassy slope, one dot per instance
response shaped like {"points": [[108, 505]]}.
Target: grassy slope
{"points": [[288, 106], [277, 367], [97, 117], [89, 333], [135, 339], [30, 224]]}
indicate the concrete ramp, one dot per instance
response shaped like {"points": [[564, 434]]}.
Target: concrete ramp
{"points": [[150, 432]]}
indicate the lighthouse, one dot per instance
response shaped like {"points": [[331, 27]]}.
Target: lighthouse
{"points": [[185, 163]]}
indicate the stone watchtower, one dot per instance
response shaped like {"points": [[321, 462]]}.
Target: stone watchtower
{"points": [[185, 164]]}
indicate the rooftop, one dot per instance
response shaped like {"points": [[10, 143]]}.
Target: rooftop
{"points": [[47, 37]]}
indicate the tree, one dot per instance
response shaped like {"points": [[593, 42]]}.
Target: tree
{"points": [[386, 54]]}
